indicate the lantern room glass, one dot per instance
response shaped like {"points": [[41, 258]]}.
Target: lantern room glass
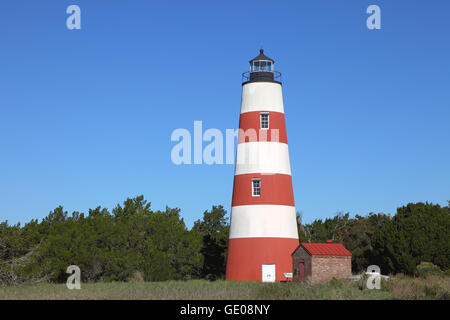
{"points": [[262, 66]]}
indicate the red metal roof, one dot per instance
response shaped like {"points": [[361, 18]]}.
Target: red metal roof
{"points": [[332, 249]]}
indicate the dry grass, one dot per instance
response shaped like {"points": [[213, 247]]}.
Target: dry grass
{"points": [[399, 288], [407, 288]]}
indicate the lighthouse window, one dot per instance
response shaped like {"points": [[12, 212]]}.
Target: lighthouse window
{"points": [[256, 66], [263, 66], [264, 121], [256, 187]]}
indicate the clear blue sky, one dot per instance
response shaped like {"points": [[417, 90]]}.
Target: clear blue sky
{"points": [[86, 116]]}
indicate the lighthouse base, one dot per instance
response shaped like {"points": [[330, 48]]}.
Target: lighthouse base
{"points": [[246, 257]]}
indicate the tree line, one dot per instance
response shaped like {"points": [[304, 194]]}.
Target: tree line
{"points": [[135, 243]]}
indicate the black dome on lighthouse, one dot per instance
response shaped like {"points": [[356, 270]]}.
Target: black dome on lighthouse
{"points": [[261, 56]]}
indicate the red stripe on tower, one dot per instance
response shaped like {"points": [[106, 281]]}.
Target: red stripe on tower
{"points": [[275, 189], [263, 228], [250, 123], [250, 252]]}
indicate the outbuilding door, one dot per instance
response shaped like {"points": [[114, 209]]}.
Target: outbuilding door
{"points": [[268, 273], [301, 270]]}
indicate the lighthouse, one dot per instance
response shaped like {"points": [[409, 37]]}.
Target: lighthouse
{"points": [[263, 228]]}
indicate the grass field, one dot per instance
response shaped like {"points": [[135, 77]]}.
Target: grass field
{"points": [[399, 288]]}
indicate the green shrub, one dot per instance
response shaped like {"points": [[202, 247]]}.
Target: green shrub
{"points": [[137, 276], [336, 283], [426, 269], [387, 285], [362, 283], [432, 291]]}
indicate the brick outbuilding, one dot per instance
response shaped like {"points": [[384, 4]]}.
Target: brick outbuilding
{"points": [[320, 262]]}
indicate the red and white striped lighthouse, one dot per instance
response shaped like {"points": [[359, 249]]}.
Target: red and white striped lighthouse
{"points": [[263, 228]]}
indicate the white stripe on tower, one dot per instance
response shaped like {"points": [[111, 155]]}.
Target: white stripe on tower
{"points": [[262, 157], [262, 221], [262, 96]]}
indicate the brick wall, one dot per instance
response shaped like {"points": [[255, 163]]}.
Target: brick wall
{"points": [[324, 268]]}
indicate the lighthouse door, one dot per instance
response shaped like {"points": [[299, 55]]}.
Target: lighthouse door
{"points": [[268, 273]]}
